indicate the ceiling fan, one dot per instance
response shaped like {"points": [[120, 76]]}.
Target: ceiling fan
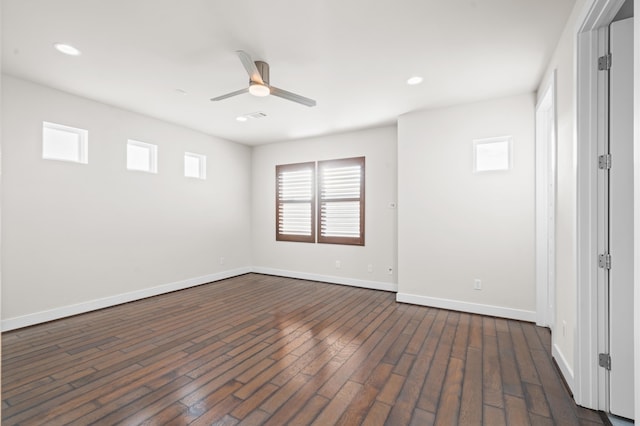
{"points": [[259, 82]]}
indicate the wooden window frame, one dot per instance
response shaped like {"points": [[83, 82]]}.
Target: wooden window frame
{"points": [[288, 237], [358, 241], [316, 202]]}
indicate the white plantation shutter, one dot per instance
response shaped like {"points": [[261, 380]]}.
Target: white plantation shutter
{"points": [[295, 202], [341, 201]]}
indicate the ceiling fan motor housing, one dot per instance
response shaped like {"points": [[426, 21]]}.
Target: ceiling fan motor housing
{"points": [[263, 69]]}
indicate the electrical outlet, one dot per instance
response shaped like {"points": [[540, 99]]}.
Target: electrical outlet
{"points": [[221, 260], [369, 268], [564, 328], [477, 284], [338, 264], [390, 270]]}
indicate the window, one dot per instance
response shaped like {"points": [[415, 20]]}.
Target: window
{"points": [[64, 143], [142, 156], [340, 202], [195, 165], [295, 202], [492, 154]]}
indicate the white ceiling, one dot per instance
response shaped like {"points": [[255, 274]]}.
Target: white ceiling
{"points": [[352, 56]]}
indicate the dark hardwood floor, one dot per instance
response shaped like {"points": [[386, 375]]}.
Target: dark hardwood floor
{"points": [[258, 349]]}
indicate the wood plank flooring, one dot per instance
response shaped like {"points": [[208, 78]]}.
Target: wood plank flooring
{"points": [[262, 350]]}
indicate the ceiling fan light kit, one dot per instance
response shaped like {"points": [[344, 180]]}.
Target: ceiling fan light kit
{"points": [[259, 90], [259, 83]]}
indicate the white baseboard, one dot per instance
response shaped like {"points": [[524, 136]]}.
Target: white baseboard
{"points": [[474, 308], [92, 305], [566, 371], [374, 285]]}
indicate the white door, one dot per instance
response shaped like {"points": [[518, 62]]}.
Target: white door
{"points": [[621, 394]]}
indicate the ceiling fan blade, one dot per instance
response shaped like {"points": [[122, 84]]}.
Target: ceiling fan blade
{"points": [[292, 97], [250, 66], [228, 95]]}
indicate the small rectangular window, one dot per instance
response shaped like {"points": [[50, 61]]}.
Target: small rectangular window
{"points": [[142, 156], [341, 201], [195, 165], [64, 143], [295, 202], [492, 154]]}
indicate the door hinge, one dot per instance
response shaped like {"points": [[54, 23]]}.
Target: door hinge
{"points": [[604, 62], [604, 261], [604, 361], [604, 162]]}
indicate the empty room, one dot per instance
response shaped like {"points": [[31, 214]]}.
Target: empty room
{"points": [[378, 212]]}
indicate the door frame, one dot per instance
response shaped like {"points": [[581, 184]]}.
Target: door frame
{"points": [[591, 90], [546, 164]]}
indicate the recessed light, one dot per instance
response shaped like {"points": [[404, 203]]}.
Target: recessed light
{"points": [[241, 118], [67, 49], [414, 80]]}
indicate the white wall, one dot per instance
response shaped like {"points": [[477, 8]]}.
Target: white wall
{"points": [[563, 61], [0, 196], [636, 147], [455, 225], [74, 234], [317, 261]]}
